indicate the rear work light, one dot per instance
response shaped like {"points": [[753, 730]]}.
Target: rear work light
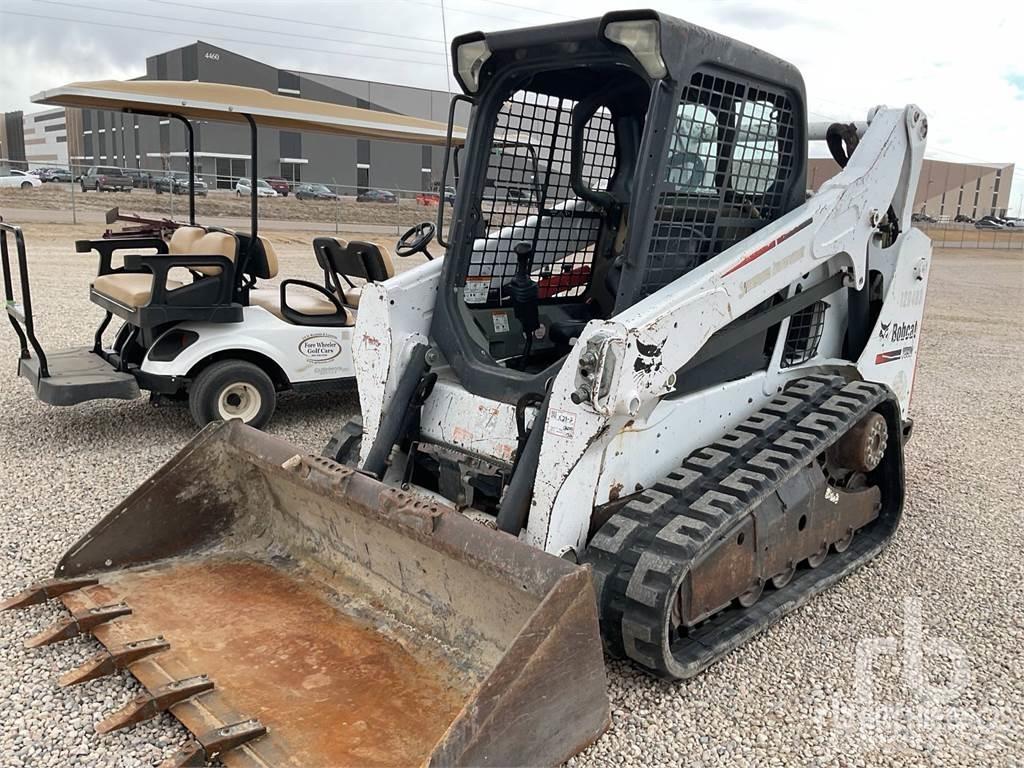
{"points": [[469, 61]]}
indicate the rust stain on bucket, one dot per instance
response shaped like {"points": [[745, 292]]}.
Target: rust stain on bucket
{"points": [[332, 689]]}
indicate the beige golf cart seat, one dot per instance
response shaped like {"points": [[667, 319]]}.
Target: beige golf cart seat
{"points": [[343, 261], [300, 307], [132, 290]]}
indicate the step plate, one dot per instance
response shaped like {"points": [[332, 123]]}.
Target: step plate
{"points": [[78, 375]]}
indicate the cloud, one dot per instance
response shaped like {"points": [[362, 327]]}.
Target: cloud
{"points": [[963, 70]]}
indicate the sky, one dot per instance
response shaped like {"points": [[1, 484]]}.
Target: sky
{"points": [[966, 70]]}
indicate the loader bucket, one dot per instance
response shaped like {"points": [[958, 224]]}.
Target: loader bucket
{"points": [[290, 611]]}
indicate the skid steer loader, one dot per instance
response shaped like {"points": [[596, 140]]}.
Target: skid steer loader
{"points": [[653, 396]]}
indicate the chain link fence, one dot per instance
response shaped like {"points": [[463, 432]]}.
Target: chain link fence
{"points": [[321, 206], [76, 196], [957, 235]]}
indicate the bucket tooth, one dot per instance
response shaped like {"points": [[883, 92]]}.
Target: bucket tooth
{"points": [[45, 590], [106, 662], [148, 705], [205, 748], [80, 623]]}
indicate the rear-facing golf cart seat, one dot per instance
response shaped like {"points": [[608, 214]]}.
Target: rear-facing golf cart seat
{"points": [[143, 294], [341, 262], [134, 289], [316, 306]]}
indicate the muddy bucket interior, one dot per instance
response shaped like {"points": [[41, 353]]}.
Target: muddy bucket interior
{"points": [[292, 612]]}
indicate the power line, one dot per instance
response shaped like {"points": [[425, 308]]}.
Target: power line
{"points": [[211, 37], [528, 8], [293, 21], [447, 69], [235, 26]]}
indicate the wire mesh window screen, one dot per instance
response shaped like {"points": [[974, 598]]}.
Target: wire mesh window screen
{"points": [[804, 334], [731, 154], [528, 195]]}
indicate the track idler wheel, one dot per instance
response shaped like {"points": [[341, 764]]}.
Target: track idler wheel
{"points": [[862, 447], [818, 557], [752, 595], [780, 580], [844, 543]]}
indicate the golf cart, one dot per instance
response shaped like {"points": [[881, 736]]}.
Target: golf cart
{"points": [[197, 321]]}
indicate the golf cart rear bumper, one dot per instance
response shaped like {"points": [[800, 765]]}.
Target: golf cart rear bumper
{"points": [[77, 375]]}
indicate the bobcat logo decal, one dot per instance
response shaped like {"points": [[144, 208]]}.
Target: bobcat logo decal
{"points": [[883, 330]]}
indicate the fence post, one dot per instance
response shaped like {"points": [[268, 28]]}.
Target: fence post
{"points": [[74, 213], [337, 207]]}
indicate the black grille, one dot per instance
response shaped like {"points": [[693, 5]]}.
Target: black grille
{"points": [[804, 335], [730, 158], [528, 182]]}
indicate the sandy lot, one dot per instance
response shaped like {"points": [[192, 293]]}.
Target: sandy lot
{"points": [[917, 659]]}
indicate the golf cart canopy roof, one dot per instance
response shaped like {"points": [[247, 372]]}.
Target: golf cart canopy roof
{"points": [[231, 103]]}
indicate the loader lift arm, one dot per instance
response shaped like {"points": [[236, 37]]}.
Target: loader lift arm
{"points": [[711, 298]]}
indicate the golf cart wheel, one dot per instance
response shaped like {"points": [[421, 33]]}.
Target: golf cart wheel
{"points": [[232, 389]]}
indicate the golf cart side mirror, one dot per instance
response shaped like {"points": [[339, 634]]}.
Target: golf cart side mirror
{"points": [[112, 215]]}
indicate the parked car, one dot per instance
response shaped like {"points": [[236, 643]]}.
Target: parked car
{"points": [[315, 192], [44, 174], [279, 184], [923, 218], [963, 218], [376, 196], [449, 195], [140, 179], [989, 222], [1014, 222], [19, 179], [104, 178], [176, 183], [62, 175], [263, 189]]}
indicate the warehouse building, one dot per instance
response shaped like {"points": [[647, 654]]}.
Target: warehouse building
{"points": [[945, 190], [132, 141], [34, 140]]}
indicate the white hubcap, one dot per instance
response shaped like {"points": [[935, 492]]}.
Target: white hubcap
{"points": [[239, 401]]}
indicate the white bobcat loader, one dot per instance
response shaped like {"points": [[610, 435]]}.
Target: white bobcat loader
{"points": [[656, 398]]}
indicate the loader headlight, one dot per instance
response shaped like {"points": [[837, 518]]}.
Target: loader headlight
{"points": [[469, 61], [643, 39]]}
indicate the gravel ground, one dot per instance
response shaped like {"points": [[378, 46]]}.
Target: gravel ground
{"points": [[917, 659]]}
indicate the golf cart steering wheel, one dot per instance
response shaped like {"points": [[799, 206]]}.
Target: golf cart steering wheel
{"points": [[416, 240]]}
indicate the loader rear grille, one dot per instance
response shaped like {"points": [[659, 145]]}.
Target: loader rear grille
{"points": [[528, 191], [729, 171]]}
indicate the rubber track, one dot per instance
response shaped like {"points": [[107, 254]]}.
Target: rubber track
{"points": [[640, 556]]}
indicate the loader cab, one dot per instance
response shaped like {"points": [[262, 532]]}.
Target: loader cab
{"points": [[605, 159]]}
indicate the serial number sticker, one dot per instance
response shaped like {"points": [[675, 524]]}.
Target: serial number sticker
{"points": [[476, 289], [561, 423], [500, 320]]}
